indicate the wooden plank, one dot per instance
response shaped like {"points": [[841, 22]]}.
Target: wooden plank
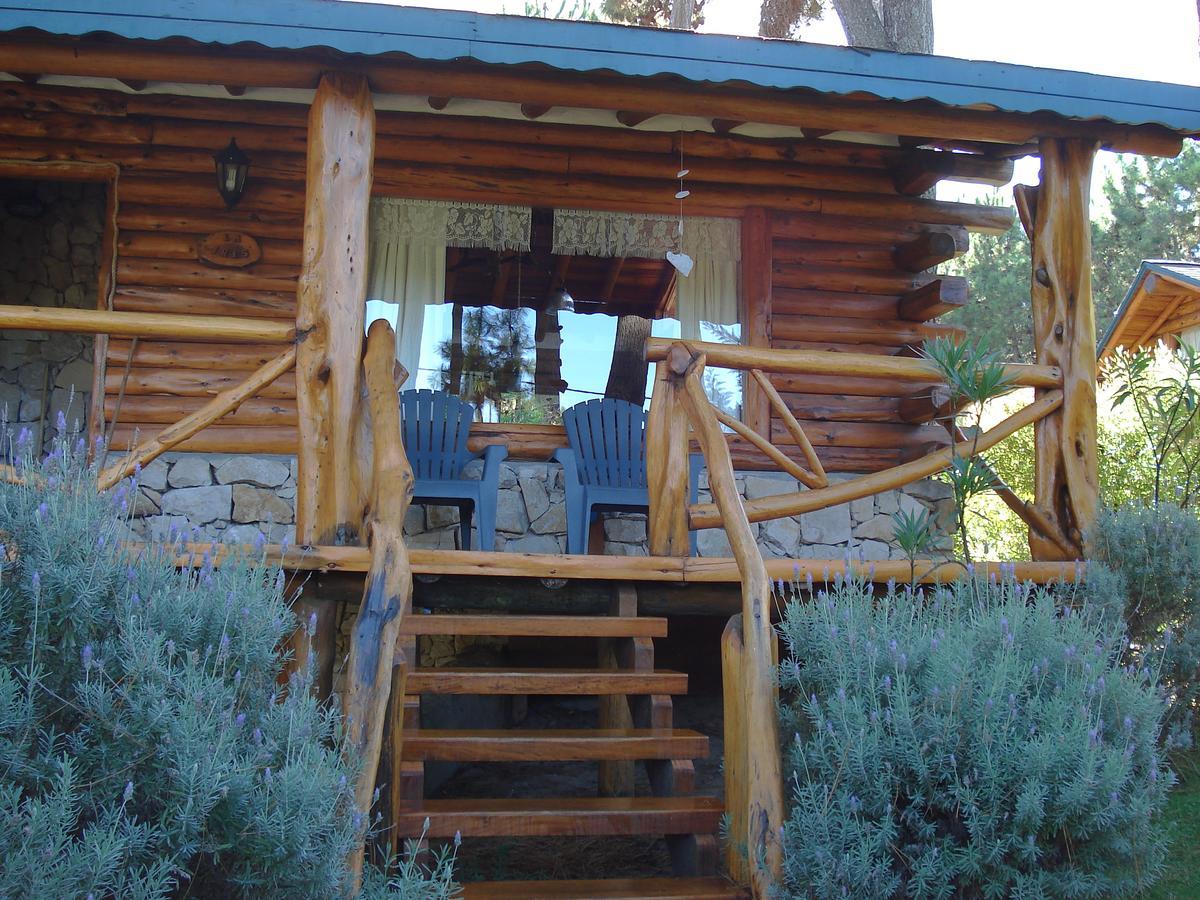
{"points": [[943, 295], [928, 249], [536, 626], [586, 682], [920, 175], [562, 817], [757, 307], [526, 745], [701, 888]]}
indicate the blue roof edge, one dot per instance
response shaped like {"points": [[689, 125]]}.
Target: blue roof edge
{"points": [[446, 35]]}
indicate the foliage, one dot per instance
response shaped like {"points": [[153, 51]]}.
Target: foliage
{"points": [[914, 533], [579, 10], [1182, 875], [975, 742], [1153, 557], [493, 361], [146, 749], [903, 25], [1166, 402], [653, 13]]}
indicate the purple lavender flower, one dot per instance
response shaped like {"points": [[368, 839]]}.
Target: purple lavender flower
{"points": [[257, 736], [128, 792], [42, 510], [86, 656], [240, 719], [36, 579]]}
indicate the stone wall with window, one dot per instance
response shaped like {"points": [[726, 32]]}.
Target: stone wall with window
{"points": [[50, 239]]}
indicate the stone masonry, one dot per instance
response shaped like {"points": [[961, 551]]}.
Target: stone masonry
{"points": [[49, 256]]}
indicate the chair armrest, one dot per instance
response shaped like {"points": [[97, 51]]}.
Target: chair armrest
{"points": [[565, 457], [492, 456], [695, 464]]}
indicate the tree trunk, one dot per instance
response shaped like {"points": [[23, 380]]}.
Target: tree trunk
{"points": [[454, 376], [627, 377], [902, 25], [682, 11], [908, 25]]}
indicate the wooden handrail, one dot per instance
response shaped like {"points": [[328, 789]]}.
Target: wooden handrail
{"points": [[232, 329], [758, 795], [822, 362], [225, 402], [818, 478], [387, 593], [778, 506]]}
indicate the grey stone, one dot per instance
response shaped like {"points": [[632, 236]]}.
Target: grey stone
{"points": [[146, 503], [414, 520], [930, 489], [255, 504], [780, 537], [532, 543], [59, 274], [625, 550], [154, 475], [508, 476], [713, 542], [826, 526], [768, 485], [10, 401], [190, 471], [911, 505], [31, 408], [166, 528], [441, 516], [77, 374], [862, 509], [434, 540], [944, 514], [510, 512], [241, 534], [625, 529], [552, 521], [821, 551], [873, 550], [254, 470], [537, 501], [880, 528], [887, 502], [199, 504]]}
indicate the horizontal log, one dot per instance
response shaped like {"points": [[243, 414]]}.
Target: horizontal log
{"points": [[787, 226], [858, 255], [926, 405], [862, 435], [842, 407], [833, 459], [706, 515], [928, 249], [849, 385], [857, 331], [789, 302], [942, 295], [922, 174], [736, 356], [159, 410], [252, 304], [163, 245], [165, 354], [197, 275], [840, 347], [181, 382], [257, 223], [200, 193], [184, 327], [803, 277], [272, 439], [707, 570]]}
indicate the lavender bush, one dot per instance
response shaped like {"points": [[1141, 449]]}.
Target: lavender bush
{"points": [[146, 749], [975, 741]]}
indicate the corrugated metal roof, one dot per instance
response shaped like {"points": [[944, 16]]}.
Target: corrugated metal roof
{"points": [[441, 35], [1186, 273]]}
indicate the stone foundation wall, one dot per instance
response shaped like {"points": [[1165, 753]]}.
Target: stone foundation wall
{"points": [[50, 239]]}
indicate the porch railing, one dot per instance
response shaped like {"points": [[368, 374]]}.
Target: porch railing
{"points": [[680, 412]]}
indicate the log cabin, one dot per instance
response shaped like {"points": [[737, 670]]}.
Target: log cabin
{"points": [[740, 236]]}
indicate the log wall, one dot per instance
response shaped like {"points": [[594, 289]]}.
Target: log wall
{"points": [[847, 242]]}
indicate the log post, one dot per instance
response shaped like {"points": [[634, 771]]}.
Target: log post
{"points": [[1056, 217], [387, 593], [758, 260], [762, 789], [330, 307], [667, 468]]}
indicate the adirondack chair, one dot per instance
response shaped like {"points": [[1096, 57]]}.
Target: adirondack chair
{"points": [[604, 469], [434, 427]]}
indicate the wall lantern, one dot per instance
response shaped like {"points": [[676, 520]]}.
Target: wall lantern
{"points": [[232, 166]]}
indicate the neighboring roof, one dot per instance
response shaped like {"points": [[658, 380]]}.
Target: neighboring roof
{"points": [[441, 35], [1163, 299]]}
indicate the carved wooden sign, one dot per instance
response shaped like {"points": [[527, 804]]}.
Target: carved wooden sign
{"points": [[229, 248]]}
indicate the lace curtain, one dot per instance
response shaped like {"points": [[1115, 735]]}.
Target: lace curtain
{"points": [[709, 294], [408, 258]]}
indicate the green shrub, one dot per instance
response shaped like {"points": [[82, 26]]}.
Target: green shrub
{"points": [[1153, 554], [146, 749], [972, 742]]}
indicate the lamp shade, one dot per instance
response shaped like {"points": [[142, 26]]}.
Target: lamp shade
{"points": [[232, 166]]}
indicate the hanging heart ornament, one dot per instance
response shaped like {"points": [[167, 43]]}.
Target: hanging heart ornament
{"points": [[681, 261]]}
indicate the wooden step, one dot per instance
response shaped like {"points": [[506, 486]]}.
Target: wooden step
{"points": [[586, 682], [608, 889], [554, 744], [536, 626], [564, 817]]}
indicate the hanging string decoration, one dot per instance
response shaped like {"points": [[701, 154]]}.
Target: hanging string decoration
{"points": [[680, 260]]}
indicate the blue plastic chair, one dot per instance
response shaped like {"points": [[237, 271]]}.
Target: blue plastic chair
{"points": [[435, 427], [605, 467]]}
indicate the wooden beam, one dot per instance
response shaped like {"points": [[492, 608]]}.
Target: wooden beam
{"points": [[266, 68], [921, 174], [1066, 477], [849, 365], [928, 249], [235, 90], [934, 403], [219, 329], [611, 275], [534, 111], [220, 405], [758, 263], [815, 477], [930, 300], [706, 515], [633, 119], [1160, 320], [503, 275], [438, 103], [331, 304], [667, 468]]}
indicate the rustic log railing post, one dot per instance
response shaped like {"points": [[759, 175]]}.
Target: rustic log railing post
{"points": [[387, 593], [667, 467], [1055, 215], [330, 307], [758, 795]]}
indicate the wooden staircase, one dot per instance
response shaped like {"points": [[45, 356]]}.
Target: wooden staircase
{"points": [[635, 727]]}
